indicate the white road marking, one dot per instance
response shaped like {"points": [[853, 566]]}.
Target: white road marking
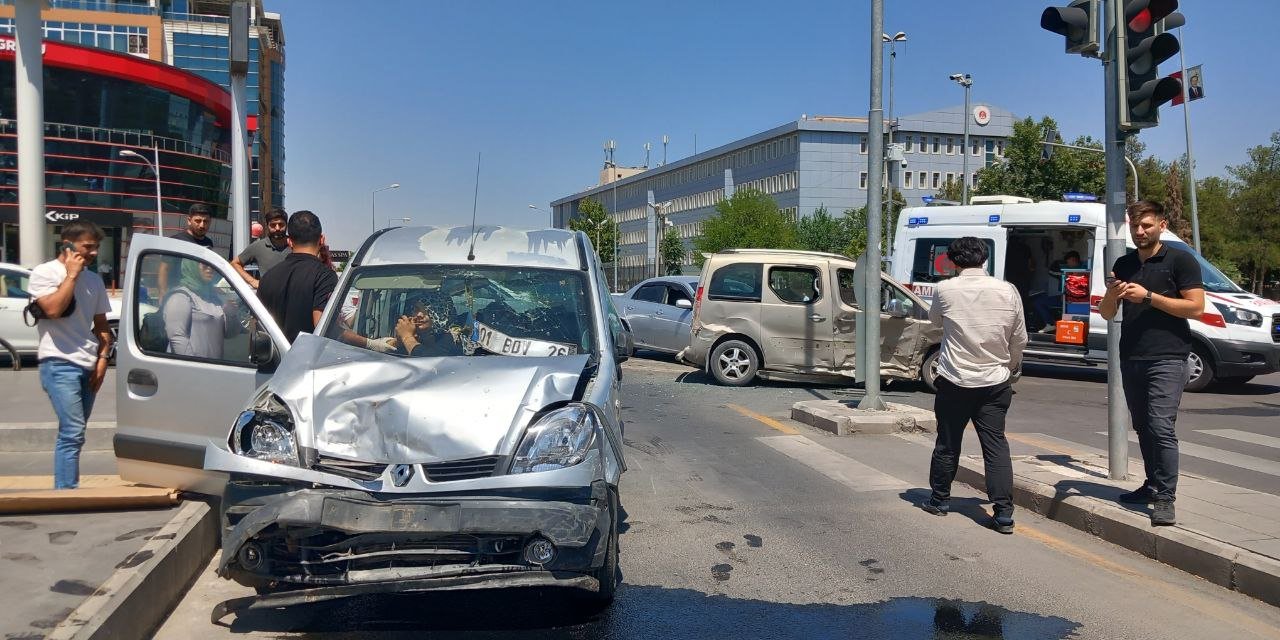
{"points": [[838, 467], [1230, 458], [1244, 436]]}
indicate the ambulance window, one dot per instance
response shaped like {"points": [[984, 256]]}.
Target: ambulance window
{"points": [[932, 265]]}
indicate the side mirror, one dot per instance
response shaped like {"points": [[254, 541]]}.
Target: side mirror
{"points": [[684, 303], [624, 345], [262, 352]]}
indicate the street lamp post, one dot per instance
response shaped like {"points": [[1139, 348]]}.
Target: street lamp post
{"points": [[900, 36], [551, 222], [155, 170], [966, 81], [373, 206]]}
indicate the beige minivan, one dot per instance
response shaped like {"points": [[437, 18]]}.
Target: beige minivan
{"points": [[763, 311]]}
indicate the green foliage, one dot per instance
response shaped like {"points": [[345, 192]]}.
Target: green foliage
{"points": [[1256, 202], [1024, 173], [594, 221], [748, 220], [673, 253], [822, 231]]}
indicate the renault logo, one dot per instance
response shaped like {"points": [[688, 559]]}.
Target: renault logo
{"points": [[401, 473]]}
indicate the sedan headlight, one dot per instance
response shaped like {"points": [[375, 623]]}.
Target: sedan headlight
{"points": [[265, 432], [559, 439], [1237, 315]]}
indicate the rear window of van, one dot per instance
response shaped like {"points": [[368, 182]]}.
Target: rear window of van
{"points": [[739, 282]]}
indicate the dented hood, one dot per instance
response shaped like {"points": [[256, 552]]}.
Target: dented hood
{"points": [[356, 404]]}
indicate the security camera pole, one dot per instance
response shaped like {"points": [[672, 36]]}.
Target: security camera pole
{"points": [[871, 269]]}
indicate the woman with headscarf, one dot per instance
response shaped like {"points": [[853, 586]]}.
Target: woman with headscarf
{"points": [[196, 318]]}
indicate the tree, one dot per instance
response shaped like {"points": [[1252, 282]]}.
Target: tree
{"points": [[748, 220], [594, 221], [1024, 173], [822, 231], [673, 253], [1257, 203], [952, 190], [1179, 223]]}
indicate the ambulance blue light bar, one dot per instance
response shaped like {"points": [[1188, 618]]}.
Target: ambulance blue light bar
{"points": [[993, 219], [1079, 197], [1073, 218], [917, 221]]}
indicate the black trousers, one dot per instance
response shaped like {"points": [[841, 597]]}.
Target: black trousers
{"points": [[986, 407]]}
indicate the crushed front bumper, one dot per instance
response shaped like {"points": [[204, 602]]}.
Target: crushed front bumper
{"points": [[331, 542]]}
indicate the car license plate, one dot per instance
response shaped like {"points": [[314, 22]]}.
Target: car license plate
{"points": [[356, 516], [500, 343]]}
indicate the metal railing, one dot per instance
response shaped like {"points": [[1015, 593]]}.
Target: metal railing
{"points": [[196, 17], [98, 5], [135, 139]]}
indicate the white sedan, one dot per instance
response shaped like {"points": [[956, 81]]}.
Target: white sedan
{"points": [[13, 327]]}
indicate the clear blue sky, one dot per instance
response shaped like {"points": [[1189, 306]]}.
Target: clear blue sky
{"points": [[410, 91]]}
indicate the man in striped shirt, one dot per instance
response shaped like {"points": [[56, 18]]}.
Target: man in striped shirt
{"points": [[983, 335]]}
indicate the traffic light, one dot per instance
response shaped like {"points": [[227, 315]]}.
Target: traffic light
{"points": [[1078, 23], [1145, 48]]}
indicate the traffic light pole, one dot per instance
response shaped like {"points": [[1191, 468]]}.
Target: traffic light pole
{"points": [[870, 299], [1114, 138]]}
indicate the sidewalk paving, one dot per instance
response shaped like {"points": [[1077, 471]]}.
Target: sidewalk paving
{"points": [[1225, 534]]}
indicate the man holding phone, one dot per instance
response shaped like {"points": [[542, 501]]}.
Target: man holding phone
{"points": [[75, 341], [1160, 288]]}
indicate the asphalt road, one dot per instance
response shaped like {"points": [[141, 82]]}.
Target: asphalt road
{"points": [[742, 524]]}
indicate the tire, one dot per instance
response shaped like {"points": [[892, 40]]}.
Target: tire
{"points": [[7, 349], [1201, 373], [929, 370], [734, 363], [607, 574], [115, 342]]}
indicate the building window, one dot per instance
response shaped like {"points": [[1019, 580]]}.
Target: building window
{"points": [[937, 179], [909, 144], [1000, 148], [951, 146], [950, 177], [862, 180], [862, 144], [906, 179], [937, 144], [922, 180], [975, 147]]}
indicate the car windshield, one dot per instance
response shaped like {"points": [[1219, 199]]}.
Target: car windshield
{"points": [[456, 310], [1214, 280]]}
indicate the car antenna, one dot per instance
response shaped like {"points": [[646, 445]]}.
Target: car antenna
{"points": [[471, 251]]}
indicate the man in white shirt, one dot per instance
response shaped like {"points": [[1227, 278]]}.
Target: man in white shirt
{"points": [[983, 335], [75, 341]]}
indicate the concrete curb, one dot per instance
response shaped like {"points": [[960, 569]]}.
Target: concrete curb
{"points": [[40, 436], [137, 598], [1221, 563], [842, 418]]}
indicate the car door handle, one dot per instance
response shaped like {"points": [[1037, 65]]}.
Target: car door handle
{"points": [[817, 318], [142, 382]]}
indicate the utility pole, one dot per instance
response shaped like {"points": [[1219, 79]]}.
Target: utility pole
{"points": [[29, 78], [239, 67], [1191, 159], [870, 284], [1114, 139]]}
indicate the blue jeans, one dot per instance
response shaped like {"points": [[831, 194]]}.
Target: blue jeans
{"points": [[1044, 305], [72, 396], [1153, 391]]}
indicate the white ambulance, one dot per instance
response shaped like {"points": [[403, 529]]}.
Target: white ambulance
{"points": [[1237, 337]]}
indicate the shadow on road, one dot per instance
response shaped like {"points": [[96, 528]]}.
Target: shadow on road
{"points": [[971, 508], [651, 612]]}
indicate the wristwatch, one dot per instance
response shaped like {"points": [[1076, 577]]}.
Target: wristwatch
{"points": [[1147, 298]]}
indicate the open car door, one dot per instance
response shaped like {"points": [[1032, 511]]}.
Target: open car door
{"points": [[194, 344]]}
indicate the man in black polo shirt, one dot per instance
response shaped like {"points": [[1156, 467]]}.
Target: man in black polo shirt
{"points": [[1160, 289], [296, 291], [197, 232]]}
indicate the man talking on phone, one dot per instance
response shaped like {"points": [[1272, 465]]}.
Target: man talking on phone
{"points": [[75, 341], [1160, 288]]}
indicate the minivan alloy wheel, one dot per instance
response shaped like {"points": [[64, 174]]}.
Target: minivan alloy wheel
{"points": [[734, 363]]}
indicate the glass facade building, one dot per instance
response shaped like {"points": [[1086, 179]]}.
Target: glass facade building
{"points": [[97, 104]]}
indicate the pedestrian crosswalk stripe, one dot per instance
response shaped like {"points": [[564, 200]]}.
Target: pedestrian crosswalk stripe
{"points": [[1244, 436], [838, 467], [1230, 458]]}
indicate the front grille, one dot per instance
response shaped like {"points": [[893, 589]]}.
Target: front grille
{"points": [[1275, 328], [468, 469], [362, 471]]}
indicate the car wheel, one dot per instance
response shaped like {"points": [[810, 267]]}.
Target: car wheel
{"points": [[929, 370], [607, 574], [7, 349], [115, 342], [1200, 367], [734, 363]]}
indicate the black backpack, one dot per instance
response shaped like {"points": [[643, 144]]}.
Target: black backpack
{"points": [[152, 335]]}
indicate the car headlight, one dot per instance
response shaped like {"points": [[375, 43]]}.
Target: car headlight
{"points": [[1237, 315], [265, 432], [559, 439]]}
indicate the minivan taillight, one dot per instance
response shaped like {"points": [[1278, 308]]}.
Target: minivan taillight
{"points": [[697, 306]]}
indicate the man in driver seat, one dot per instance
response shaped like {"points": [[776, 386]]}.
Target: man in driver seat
{"points": [[423, 330]]}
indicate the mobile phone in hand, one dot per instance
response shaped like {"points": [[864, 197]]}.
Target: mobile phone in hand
{"points": [[1111, 281]]}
